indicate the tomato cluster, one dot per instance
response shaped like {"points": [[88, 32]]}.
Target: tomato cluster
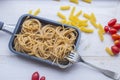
{"points": [[112, 28], [36, 76]]}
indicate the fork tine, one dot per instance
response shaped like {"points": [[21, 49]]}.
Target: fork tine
{"points": [[71, 55]]}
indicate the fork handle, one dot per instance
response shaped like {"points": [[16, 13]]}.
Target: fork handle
{"points": [[105, 72], [1, 25]]}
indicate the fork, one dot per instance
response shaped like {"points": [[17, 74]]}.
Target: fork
{"points": [[74, 57]]}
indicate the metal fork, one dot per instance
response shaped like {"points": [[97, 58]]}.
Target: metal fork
{"points": [[75, 57]]}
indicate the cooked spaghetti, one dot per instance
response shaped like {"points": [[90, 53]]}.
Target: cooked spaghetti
{"points": [[47, 42]]}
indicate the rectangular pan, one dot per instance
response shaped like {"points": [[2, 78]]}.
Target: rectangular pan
{"points": [[43, 21]]}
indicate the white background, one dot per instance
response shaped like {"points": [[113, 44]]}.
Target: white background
{"points": [[13, 67]]}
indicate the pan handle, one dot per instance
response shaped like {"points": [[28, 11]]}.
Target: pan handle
{"points": [[1, 25], [7, 28]]}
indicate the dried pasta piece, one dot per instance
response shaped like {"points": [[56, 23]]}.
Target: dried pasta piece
{"points": [[36, 12], [93, 17], [101, 28], [77, 22], [108, 50], [64, 21], [30, 12], [78, 13], [59, 14], [87, 16], [100, 35], [68, 22], [93, 23], [72, 12], [65, 7], [87, 1], [86, 30], [74, 1]]}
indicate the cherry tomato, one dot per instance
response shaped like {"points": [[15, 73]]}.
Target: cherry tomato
{"points": [[106, 29], [35, 76], [112, 31], [115, 50], [115, 36], [43, 78], [116, 26], [117, 43], [112, 22]]}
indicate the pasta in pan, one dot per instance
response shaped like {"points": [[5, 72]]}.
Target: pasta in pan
{"points": [[47, 42]]}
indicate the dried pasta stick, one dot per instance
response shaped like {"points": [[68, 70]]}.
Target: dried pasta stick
{"points": [[79, 13], [74, 1], [108, 50], [101, 28], [65, 7], [100, 35], [87, 1], [68, 22], [76, 21], [73, 23], [86, 30], [72, 12], [36, 12], [94, 23], [86, 16], [30, 12], [83, 23], [61, 15], [93, 17], [64, 21]]}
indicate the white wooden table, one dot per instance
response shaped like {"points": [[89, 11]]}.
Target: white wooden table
{"points": [[13, 67]]}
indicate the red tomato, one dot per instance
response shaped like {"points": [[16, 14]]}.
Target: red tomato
{"points": [[117, 43], [115, 36], [112, 31], [116, 26], [35, 76], [115, 50], [106, 28], [42, 78], [112, 22]]}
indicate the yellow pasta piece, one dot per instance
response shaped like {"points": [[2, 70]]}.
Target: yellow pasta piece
{"points": [[61, 15], [86, 16], [73, 24], [101, 28], [83, 23], [74, 1], [79, 13], [65, 7], [78, 22], [93, 17], [68, 22], [108, 50], [63, 21], [87, 1], [72, 12], [100, 35], [30, 12], [94, 23], [36, 12], [86, 30]]}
